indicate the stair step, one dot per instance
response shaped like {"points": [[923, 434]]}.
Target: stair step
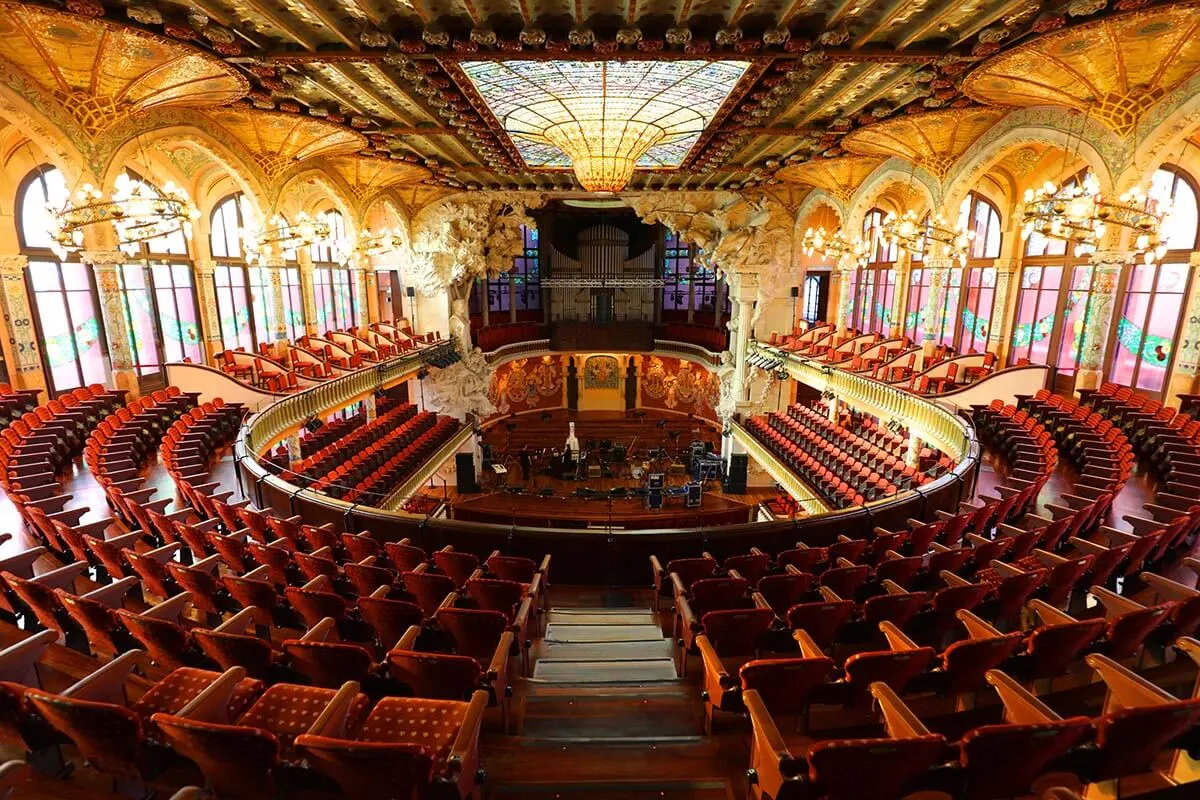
{"points": [[662, 669], [576, 633], [616, 651], [602, 616], [674, 790], [611, 718]]}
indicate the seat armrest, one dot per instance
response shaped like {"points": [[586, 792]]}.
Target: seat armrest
{"points": [[18, 662], [898, 718], [808, 648], [170, 609], [212, 704], [1114, 604], [1126, 689], [321, 631], [332, 719], [107, 684], [1020, 706], [63, 577], [241, 622], [114, 593], [977, 627], [1048, 614]]}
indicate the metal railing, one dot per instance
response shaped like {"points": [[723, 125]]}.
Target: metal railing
{"points": [[263, 428]]}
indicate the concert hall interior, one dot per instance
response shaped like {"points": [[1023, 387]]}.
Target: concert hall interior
{"points": [[527, 400]]}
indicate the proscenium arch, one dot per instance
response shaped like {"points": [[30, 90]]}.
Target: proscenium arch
{"points": [[1041, 126]]}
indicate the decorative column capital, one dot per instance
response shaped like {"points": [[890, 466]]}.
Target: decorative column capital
{"points": [[1194, 259], [103, 258], [13, 265], [939, 263], [205, 266], [1005, 266], [743, 287], [1110, 258]]}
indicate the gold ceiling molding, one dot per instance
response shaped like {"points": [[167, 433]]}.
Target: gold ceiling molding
{"points": [[1114, 69], [933, 141], [278, 140], [838, 176], [102, 72], [367, 176]]}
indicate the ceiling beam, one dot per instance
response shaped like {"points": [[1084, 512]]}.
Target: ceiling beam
{"points": [[834, 55]]}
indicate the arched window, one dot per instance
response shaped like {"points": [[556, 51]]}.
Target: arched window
{"points": [[520, 288], [876, 287], [244, 316], [814, 292], [1053, 299], [1142, 340], [66, 310], [333, 290], [158, 297], [979, 216]]}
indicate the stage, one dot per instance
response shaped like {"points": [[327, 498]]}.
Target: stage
{"points": [[554, 497]]}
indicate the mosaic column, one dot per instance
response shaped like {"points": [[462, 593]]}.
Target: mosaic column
{"points": [[106, 265], [275, 267], [1106, 275], [845, 308], [293, 448], [369, 407], [369, 291], [21, 348], [902, 271], [935, 304], [1187, 363], [307, 292], [1000, 325], [210, 320], [744, 292]]}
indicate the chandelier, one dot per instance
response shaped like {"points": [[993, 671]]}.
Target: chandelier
{"points": [[933, 236], [1077, 212], [137, 211], [833, 246], [280, 236], [371, 244]]}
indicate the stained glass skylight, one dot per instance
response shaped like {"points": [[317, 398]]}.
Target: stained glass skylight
{"points": [[604, 117]]}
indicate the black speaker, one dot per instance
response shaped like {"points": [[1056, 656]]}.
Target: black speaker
{"points": [[464, 466], [410, 291], [795, 291], [735, 477]]}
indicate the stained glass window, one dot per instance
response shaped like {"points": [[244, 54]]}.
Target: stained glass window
{"points": [[978, 215], [245, 308], [1143, 340], [876, 288], [571, 98], [1037, 309], [815, 287], [978, 309]]}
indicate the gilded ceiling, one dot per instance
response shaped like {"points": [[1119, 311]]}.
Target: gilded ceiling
{"points": [[833, 86]]}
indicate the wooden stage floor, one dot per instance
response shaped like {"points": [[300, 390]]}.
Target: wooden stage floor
{"points": [[549, 501]]}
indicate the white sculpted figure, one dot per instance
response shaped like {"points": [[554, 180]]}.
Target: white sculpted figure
{"points": [[726, 374], [572, 442], [461, 389]]}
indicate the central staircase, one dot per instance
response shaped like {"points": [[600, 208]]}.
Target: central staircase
{"points": [[605, 714]]}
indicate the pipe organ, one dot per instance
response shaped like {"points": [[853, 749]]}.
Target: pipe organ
{"points": [[604, 284]]}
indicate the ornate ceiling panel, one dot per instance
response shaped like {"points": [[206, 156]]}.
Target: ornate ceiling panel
{"points": [[367, 176], [838, 176], [1114, 68], [278, 140], [102, 72], [933, 141]]}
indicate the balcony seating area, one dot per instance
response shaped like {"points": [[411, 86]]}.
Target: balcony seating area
{"points": [[848, 468], [366, 464], [706, 336], [1166, 440], [493, 336]]}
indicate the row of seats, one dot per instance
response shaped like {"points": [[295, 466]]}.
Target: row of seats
{"points": [[322, 461], [1169, 441]]}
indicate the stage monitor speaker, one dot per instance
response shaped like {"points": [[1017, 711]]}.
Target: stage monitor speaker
{"points": [[735, 478], [464, 466]]}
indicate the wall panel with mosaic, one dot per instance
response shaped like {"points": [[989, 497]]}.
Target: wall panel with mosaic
{"points": [[681, 386], [528, 384]]}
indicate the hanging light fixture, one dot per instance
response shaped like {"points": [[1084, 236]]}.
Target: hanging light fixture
{"points": [[833, 246], [377, 243], [1079, 213], [137, 211], [280, 236], [933, 236]]}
